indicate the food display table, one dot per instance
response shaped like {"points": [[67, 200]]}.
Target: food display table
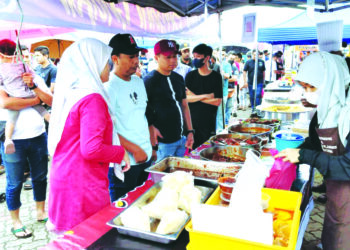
{"points": [[93, 233]]}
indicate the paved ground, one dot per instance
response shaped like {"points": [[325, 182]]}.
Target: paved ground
{"points": [[41, 237]]}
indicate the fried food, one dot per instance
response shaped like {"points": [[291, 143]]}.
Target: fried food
{"points": [[280, 108]]}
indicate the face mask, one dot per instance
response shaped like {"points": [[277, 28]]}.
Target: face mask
{"points": [[312, 97], [198, 63]]}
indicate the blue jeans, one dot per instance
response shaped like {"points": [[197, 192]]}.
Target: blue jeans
{"points": [[219, 126], [171, 149], [132, 178], [259, 89], [33, 151]]}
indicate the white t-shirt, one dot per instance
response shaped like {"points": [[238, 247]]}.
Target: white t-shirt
{"points": [[129, 100], [30, 123], [273, 68]]}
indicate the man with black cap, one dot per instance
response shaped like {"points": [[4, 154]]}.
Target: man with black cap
{"points": [[185, 55], [170, 115], [204, 94], [129, 98]]}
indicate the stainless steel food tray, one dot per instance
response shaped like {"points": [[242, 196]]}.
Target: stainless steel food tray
{"points": [[238, 129], [236, 136], [201, 170], [143, 200], [228, 151]]}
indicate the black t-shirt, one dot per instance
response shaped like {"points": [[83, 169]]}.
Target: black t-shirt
{"points": [[203, 115], [250, 67], [165, 95], [279, 68], [48, 73]]}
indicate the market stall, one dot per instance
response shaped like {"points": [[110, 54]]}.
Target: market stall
{"points": [[101, 229]]}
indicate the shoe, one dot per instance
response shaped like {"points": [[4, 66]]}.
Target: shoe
{"points": [[28, 185], [319, 189], [2, 197], [18, 233], [9, 146], [321, 199], [253, 115]]}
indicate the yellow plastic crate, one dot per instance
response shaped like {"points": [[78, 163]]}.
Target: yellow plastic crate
{"points": [[280, 199]]}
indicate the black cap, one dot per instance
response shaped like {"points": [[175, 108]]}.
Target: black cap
{"points": [[125, 44]]}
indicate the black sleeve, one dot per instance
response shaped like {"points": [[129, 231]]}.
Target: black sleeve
{"points": [[188, 80], [183, 89], [150, 112], [331, 167], [312, 142], [218, 86]]}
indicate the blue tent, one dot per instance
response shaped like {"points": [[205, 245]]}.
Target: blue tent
{"points": [[301, 30]]}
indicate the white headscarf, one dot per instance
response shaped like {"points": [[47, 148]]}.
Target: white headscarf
{"points": [[78, 75], [330, 75]]}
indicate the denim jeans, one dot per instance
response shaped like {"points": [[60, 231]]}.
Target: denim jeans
{"points": [[171, 149], [132, 178], [259, 89], [219, 126], [33, 151]]}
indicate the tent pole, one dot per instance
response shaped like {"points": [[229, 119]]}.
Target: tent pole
{"points": [[59, 49], [255, 77], [220, 56]]}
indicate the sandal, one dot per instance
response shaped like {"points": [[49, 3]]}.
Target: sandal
{"points": [[2, 197], [21, 230], [28, 184]]}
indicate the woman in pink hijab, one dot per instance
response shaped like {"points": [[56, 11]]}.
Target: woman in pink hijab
{"points": [[81, 137]]}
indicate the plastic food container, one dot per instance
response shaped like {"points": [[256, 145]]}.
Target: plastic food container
{"points": [[265, 200], [226, 184], [279, 199], [288, 140]]}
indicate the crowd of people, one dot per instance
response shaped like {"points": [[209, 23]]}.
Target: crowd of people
{"points": [[110, 112]]}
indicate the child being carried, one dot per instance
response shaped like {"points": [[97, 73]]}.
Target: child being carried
{"points": [[11, 73]]}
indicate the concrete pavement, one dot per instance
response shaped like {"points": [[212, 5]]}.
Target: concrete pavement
{"points": [[41, 236]]}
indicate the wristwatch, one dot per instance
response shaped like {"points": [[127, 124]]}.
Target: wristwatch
{"points": [[155, 147], [33, 87], [190, 131]]}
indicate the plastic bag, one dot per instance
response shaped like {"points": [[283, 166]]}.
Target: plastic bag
{"points": [[282, 173]]}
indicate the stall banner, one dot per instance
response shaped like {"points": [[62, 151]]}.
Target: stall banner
{"points": [[98, 15]]}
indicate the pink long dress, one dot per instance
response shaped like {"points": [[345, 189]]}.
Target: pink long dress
{"points": [[79, 172]]}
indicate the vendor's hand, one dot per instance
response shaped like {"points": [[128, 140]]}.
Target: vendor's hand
{"points": [[140, 156], [307, 104], [289, 154], [28, 79], [189, 141], [126, 159], [245, 85], [154, 155]]}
